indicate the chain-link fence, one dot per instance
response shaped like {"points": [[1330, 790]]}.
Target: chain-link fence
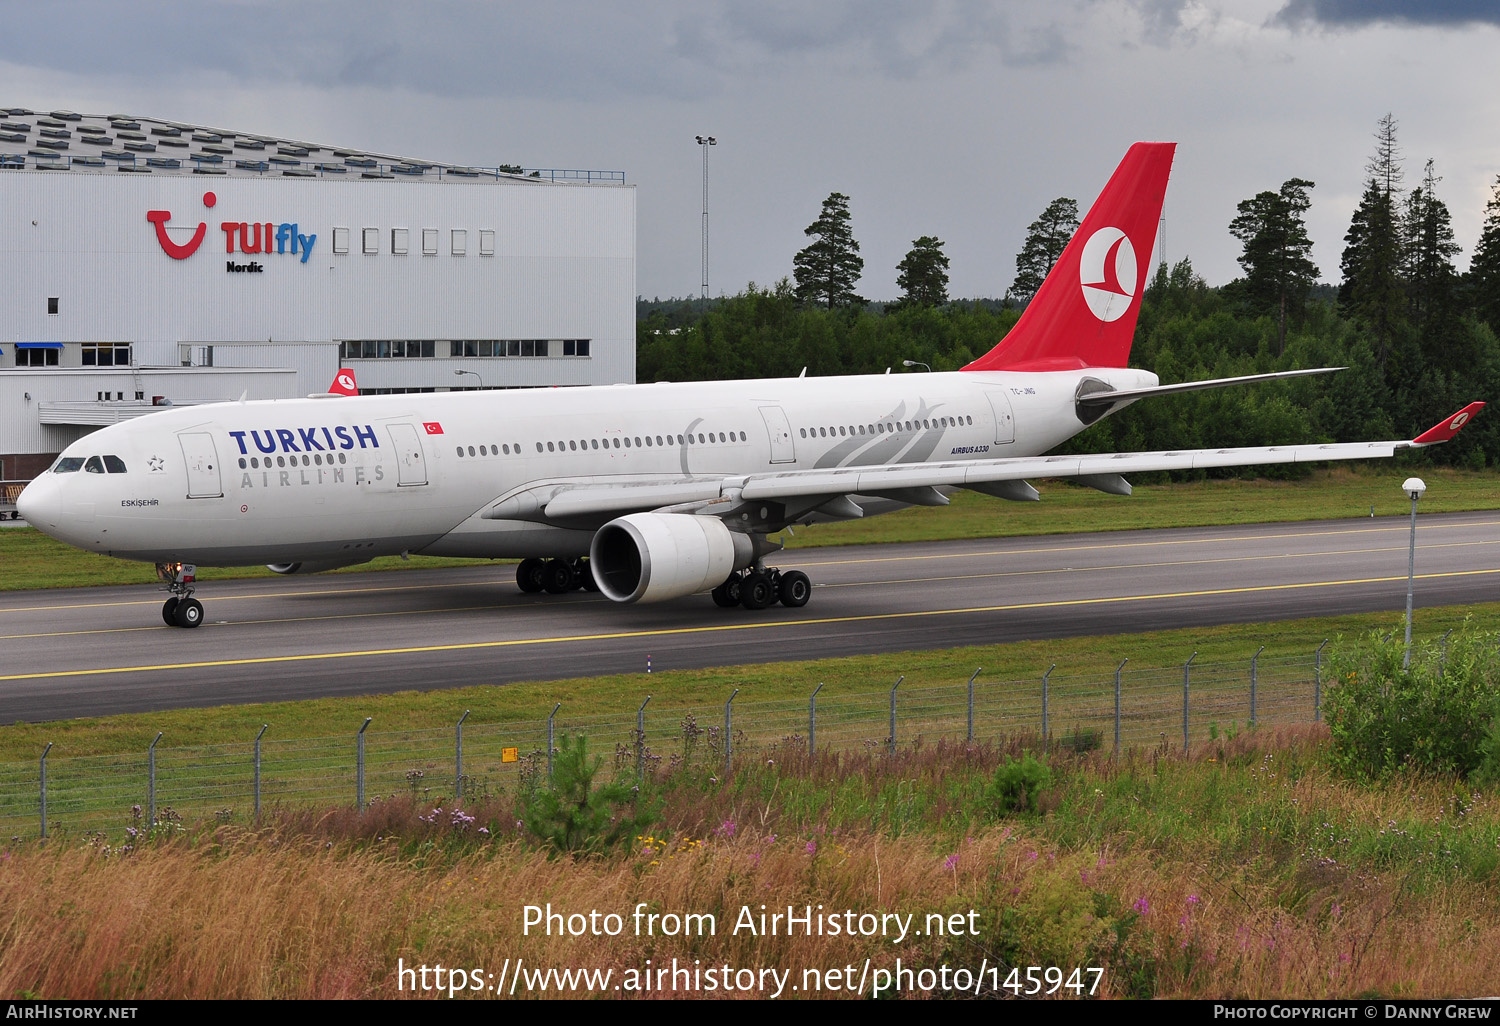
{"points": [[1179, 705]]}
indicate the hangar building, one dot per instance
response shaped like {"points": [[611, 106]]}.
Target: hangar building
{"points": [[149, 262]]}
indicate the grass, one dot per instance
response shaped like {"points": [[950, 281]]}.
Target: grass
{"points": [[30, 560], [1248, 870]]}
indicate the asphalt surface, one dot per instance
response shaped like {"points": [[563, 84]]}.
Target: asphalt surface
{"points": [[94, 651]]}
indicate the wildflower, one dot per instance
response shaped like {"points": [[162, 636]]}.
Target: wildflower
{"points": [[485, 831], [1141, 905], [1193, 899], [1031, 855], [812, 847], [726, 829], [951, 862]]}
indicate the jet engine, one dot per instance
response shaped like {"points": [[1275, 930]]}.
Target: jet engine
{"points": [[651, 557], [311, 567]]}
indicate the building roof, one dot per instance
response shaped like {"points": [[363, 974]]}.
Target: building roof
{"points": [[63, 140]]}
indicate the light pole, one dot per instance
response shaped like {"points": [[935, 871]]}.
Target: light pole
{"points": [[461, 373], [1414, 487], [705, 141], [916, 363]]}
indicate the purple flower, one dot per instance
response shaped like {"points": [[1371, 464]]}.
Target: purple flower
{"points": [[951, 862], [1193, 899], [1031, 855], [812, 847], [726, 829], [1141, 905]]}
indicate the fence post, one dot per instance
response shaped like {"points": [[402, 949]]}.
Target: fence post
{"points": [[812, 721], [1254, 680], [1186, 669], [729, 732], [550, 716], [458, 757], [640, 739], [970, 737], [1318, 682], [151, 782], [359, 765], [1046, 724], [263, 727], [1118, 670], [890, 742], [44, 789]]}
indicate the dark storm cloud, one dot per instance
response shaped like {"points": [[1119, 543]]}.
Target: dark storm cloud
{"points": [[1356, 13]]}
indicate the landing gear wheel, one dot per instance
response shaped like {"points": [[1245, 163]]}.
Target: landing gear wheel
{"points": [[795, 589], [529, 575], [169, 611], [757, 592], [585, 575], [189, 613], [721, 596], [558, 577]]}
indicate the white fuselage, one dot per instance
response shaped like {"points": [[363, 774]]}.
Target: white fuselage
{"points": [[346, 479]]}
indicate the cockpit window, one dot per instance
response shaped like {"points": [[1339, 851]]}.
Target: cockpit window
{"points": [[114, 464], [94, 465], [68, 465]]}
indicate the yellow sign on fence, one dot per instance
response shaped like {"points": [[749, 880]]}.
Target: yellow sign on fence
{"points": [[510, 755]]}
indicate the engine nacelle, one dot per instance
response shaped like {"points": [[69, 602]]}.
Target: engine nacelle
{"points": [[312, 567], [651, 557]]}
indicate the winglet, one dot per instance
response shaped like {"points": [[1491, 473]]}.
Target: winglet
{"points": [[343, 383], [1448, 427]]}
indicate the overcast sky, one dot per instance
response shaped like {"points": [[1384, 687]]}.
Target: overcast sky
{"points": [[960, 120]]}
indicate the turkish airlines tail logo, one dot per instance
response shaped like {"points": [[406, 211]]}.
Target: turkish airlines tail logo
{"points": [[173, 249], [343, 383], [1106, 270]]}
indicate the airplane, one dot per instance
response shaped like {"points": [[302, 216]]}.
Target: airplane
{"points": [[646, 492]]}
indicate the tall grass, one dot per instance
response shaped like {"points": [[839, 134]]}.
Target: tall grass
{"points": [[1246, 870]]}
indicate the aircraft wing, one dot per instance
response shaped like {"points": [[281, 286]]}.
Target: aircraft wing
{"points": [[592, 500]]}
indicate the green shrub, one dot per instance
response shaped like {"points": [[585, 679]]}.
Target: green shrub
{"points": [[573, 815], [1017, 785], [1433, 717]]}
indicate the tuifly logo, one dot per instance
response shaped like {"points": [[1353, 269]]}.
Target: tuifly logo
{"points": [[432, 427], [173, 249]]}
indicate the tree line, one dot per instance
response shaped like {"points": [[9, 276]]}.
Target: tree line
{"points": [[1419, 337]]}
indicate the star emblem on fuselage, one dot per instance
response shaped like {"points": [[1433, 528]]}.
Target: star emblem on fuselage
{"points": [[156, 463]]}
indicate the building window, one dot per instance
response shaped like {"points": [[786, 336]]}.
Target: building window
{"points": [[486, 242], [341, 240], [459, 239], [52, 304], [381, 349], [372, 240], [398, 241], [429, 241], [575, 347], [36, 357], [106, 354]]}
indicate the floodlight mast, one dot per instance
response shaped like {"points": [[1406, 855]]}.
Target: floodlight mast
{"points": [[705, 141]]}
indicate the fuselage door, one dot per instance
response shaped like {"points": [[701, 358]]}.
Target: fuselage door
{"points": [[1005, 418], [202, 459], [781, 434], [411, 464]]}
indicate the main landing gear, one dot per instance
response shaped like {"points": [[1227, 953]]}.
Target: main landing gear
{"points": [[181, 610], [555, 576], [760, 587]]}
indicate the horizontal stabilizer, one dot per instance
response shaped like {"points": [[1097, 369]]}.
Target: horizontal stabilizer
{"points": [[1106, 398]]}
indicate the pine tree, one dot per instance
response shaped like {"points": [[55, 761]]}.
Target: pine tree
{"points": [[1428, 236], [1372, 290], [1484, 269], [828, 270], [1045, 239], [924, 273], [1277, 258]]}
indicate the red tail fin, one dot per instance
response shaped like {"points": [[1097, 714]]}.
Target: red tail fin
{"points": [[1084, 314], [343, 383]]}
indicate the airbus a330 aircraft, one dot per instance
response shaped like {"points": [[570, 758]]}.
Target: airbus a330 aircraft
{"points": [[645, 492]]}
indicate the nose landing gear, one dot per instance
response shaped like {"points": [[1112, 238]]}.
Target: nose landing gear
{"points": [[181, 610]]}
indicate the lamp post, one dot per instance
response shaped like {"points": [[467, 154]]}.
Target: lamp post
{"points": [[1413, 487], [705, 141], [461, 373], [916, 363]]}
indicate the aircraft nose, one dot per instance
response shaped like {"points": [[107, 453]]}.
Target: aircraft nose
{"points": [[38, 504]]}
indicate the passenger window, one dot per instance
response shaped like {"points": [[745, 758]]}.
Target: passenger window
{"points": [[459, 449], [243, 464], [637, 441], [343, 458], [114, 464], [594, 442], [617, 443], [93, 465], [68, 465]]}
